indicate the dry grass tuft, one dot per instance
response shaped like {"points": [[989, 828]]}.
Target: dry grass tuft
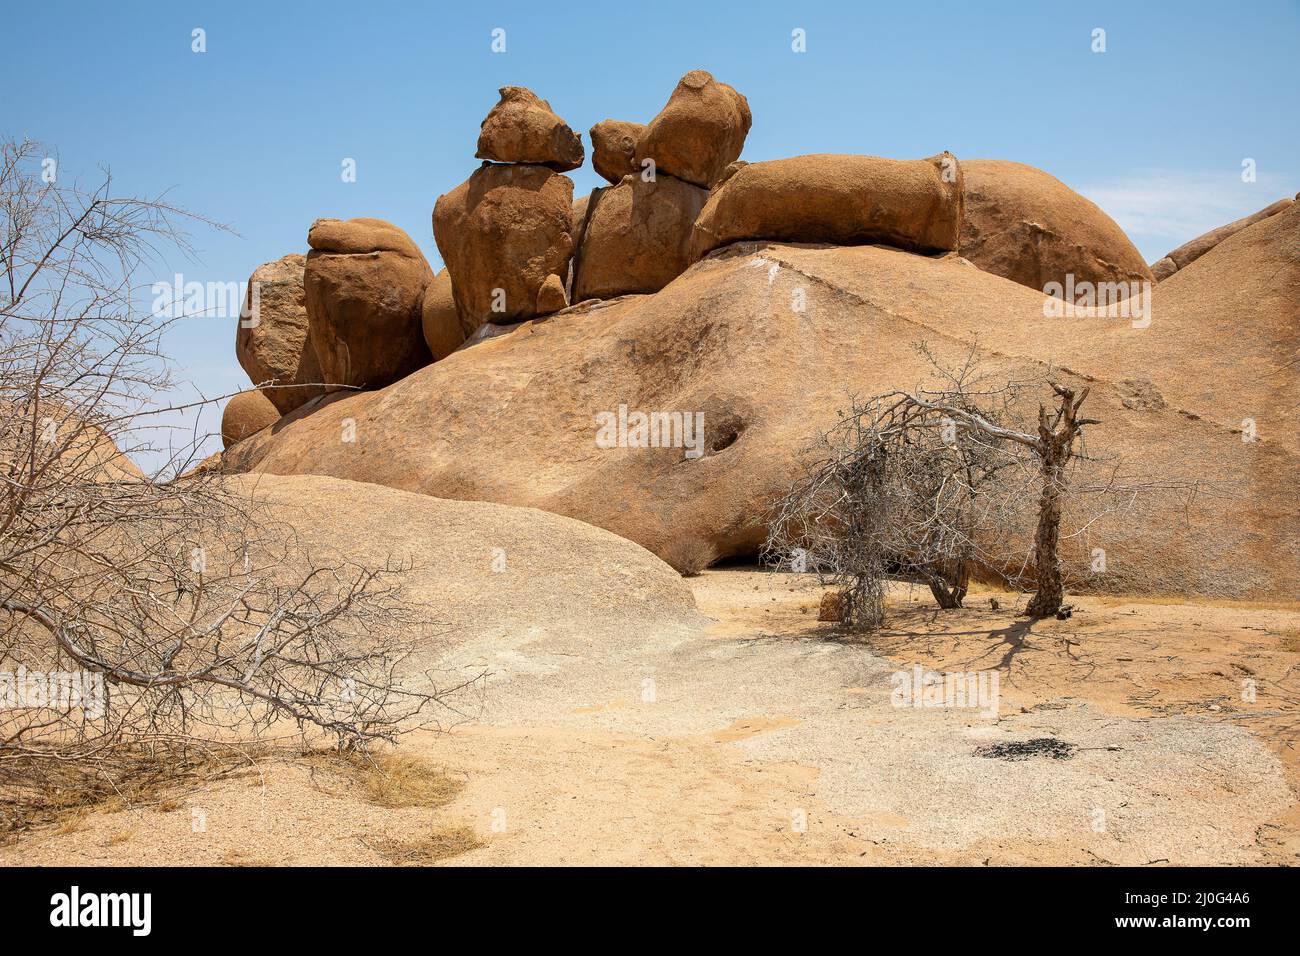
{"points": [[391, 780], [64, 794], [124, 836], [439, 844], [689, 556]]}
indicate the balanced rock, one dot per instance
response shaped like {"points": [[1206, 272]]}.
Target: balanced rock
{"points": [[522, 128], [613, 148], [272, 342], [637, 237], [1027, 226], [246, 414], [699, 132], [444, 329], [1189, 252], [364, 280], [501, 233], [840, 199]]}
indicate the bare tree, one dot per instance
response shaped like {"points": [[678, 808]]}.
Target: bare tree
{"points": [[932, 486], [174, 595]]}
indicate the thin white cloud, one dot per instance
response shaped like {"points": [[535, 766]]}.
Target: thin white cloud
{"points": [[1161, 209]]}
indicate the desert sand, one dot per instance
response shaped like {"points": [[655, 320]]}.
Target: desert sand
{"points": [[673, 745]]}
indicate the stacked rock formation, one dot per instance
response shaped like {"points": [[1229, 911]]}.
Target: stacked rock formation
{"points": [[698, 133], [723, 340], [877, 252], [637, 234], [506, 233]]}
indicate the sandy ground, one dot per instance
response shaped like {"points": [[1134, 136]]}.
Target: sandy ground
{"points": [[761, 736]]}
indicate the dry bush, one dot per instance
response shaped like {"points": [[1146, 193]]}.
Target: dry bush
{"points": [[62, 794], [139, 614], [945, 484]]}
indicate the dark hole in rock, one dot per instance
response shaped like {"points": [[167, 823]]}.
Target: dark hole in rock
{"points": [[723, 435], [1026, 749]]}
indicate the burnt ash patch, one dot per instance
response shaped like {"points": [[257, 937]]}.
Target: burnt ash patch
{"points": [[1028, 749]]}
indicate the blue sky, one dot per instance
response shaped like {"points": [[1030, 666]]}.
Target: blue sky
{"points": [[253, 132]]}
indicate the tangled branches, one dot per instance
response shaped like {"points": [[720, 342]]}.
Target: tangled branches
{"points": [[138, 610], [932, 487]]}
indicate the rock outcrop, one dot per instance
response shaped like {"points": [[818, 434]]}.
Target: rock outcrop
{"points": [[67, 448], [840, 199], [637, 237], [1189, 252], [246, 414], [522, 128], [613, 148], [1223, 338], [501, 233], [768, 343], [675, 417], [1027, 226], [698, 133], [272, 342], [364, 281]]}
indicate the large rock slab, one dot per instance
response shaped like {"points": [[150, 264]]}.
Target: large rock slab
{"points": [[837, 198], [522, 128], [501, 233], [490, 575], [1027, 226], [698, 133], [272, 342], [769, 341], [637, 237], [365, 279], [1189, 252]]}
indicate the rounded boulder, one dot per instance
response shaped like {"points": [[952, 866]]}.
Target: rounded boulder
{"points": [[698, 133], [365, 282], [272, 342]]}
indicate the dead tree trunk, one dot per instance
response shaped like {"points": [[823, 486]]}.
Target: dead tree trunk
{"points": [[949, 585], [1055, 447], [1050, 590]]}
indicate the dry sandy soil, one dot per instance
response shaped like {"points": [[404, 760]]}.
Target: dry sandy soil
{"points": [[761, 736]]}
